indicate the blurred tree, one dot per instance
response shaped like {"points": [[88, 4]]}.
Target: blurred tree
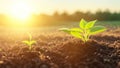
{"points": [[65, 16], [98, 15], [57, 18], [56, 14], [77, 16]]}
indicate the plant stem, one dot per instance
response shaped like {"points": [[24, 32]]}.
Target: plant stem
{"points": [[30, 47], [85, 35]]}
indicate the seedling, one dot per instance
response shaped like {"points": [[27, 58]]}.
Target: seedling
{"points": [[85, 31], [29, 42]]}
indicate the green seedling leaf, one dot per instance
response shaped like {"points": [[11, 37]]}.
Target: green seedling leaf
{"points": [[85, 30], [97, 29], [76, 34], [67, 30], [90, 24], [82, 24], [32, 42], [76, 29], [26, 42], [29, 42]]}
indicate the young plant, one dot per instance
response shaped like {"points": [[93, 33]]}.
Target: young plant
{"points": [[85, 31], [29, 42]]}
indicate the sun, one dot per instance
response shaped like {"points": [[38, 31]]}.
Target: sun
{"points": [[20, 11]]}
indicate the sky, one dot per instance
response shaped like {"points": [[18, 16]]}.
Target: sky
{"points": [[50, 6]]}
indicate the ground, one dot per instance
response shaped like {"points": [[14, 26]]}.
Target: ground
{"points": [[60, 50]]}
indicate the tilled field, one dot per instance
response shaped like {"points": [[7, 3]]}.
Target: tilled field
{"points": [[60, 50]]}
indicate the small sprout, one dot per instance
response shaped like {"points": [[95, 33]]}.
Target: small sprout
{"points": [[85, 31], [29, 42]]}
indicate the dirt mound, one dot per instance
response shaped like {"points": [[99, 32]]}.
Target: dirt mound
{"points": [[92, 54], [63, 51]]}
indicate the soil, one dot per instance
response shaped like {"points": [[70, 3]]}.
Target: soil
{"points": [[60, 50]]}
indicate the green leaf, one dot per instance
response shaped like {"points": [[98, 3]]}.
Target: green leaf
{"points": [[76, 29], [26, 42], [97, 29], [90, 24], [82, 24], [76, 34], [67, 30], [32, 42]]}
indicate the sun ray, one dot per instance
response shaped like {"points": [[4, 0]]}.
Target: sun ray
{"points": [[20, 11]]}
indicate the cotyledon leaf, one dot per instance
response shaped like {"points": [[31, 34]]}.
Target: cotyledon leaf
{"points": [[67, 30], [26, 42], [76, 29], [90, 24], [32, 42], [77, 34], [82, 24], [97, 29]]}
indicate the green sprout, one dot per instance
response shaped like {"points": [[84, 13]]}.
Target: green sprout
{"points": [[29, 42], [85, 31]]}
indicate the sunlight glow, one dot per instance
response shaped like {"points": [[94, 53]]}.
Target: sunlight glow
{"points": [[20, 14], [20, 11]]}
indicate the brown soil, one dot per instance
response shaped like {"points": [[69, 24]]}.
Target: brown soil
{"points": [[59, 50]]}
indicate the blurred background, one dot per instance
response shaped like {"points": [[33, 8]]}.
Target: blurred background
{"points": [[47, 15]]}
